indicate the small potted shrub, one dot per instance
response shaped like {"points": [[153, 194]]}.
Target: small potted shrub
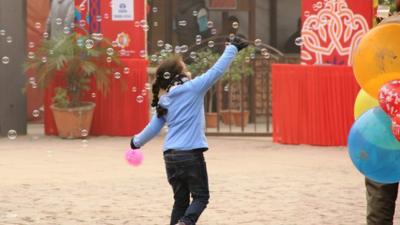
{"points": [[240, 68], [78, 60], [203, 61]]}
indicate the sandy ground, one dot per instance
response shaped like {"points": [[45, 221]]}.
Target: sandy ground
{"points": [[49, 181]]}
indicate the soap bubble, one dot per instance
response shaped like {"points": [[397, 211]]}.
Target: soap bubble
{"points": [[134, 89], [45, 35], [144, 92], [31, 55], [12, 134], [2, 32], [211, 44], [210, 24], [59, 21], [106, 16], [226, 88], [195, 13], [146, 28], [184, 48], [117, 75], [31, 44], [257, 42], [5, 60], [44, 59], [67, 30], [155, 9], [36, 113], [235, 25], [109, 59], [82, 7], [232, 37], [147, 86], [126, 70], [160, 43], [143, 53], [89, 43], [38, 25], [84, 133], [154, 58], [193, 55], [139, 99], [182, 23], [110, 51], [82, 23], [214, 31], [98, 18], [299, 41], [167, 75], [94, 95], [9, 39]]}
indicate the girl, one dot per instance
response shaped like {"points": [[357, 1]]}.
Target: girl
{"points": [[182, 109]]}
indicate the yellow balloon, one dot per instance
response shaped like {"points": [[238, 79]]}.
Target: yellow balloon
{"points": [[363, 103], [377, 59]]}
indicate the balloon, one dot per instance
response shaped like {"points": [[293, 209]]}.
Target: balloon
{"points": [[370, 154], [134, 157], [389, 100], [377, 58], [377, 126], [363, 103]]}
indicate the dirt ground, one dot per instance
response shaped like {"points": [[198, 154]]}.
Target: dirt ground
{"points": [[49, 181]]}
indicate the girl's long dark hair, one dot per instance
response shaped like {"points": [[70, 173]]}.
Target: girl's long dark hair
{"points": [[168, 74]]}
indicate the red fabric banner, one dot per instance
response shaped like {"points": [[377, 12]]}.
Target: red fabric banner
{"points": [[313, 104], [118, 113], [332, 29]]}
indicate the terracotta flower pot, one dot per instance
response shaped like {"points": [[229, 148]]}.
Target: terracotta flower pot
{"points": [[228, 116], [238, 118], [71, 122], [211, 120]]}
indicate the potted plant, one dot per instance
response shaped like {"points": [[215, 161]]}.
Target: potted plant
{"points": [[202, 61], [240, 68], [77, 59]]}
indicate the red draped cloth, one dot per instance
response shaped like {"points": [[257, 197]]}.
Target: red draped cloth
{"points": [[118, 113], [313, 104]]}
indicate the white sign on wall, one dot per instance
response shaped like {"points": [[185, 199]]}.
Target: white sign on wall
{"points": [[123, 10]]}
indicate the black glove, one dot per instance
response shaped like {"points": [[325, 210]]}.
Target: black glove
{"points": [[239, 43], [133, 144]]}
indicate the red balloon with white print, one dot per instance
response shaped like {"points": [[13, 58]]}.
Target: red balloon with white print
{"points": [[389, 100]]}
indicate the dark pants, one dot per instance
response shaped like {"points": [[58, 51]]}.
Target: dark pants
{"points": [[381, 199], [187, 174]]}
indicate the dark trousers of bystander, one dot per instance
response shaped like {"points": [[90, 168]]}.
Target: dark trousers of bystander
{"points": [[381, 200]]}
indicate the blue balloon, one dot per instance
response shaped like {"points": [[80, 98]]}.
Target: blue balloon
{"points": [[376, 156]]}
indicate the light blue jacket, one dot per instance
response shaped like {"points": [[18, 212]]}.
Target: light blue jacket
{"points": [[185, 104]]}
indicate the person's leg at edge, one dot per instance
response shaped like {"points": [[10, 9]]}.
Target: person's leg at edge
{"points": [[181, 194], [381, 202], [197, 179]]}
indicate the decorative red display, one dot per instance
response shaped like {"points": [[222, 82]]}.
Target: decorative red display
{"points": [[332, 29], [313, 104]]}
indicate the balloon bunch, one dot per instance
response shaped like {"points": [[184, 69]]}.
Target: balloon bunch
{"points": [[373, 141]]}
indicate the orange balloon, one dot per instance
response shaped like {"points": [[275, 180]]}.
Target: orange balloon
{"points": [[377, 59]]}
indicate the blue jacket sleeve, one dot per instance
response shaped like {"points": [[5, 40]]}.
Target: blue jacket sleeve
{"points": [[207, 80], [151, 130]]}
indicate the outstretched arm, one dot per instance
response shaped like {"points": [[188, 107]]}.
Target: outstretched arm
{"points": [[207, 80], [151, 130]]}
